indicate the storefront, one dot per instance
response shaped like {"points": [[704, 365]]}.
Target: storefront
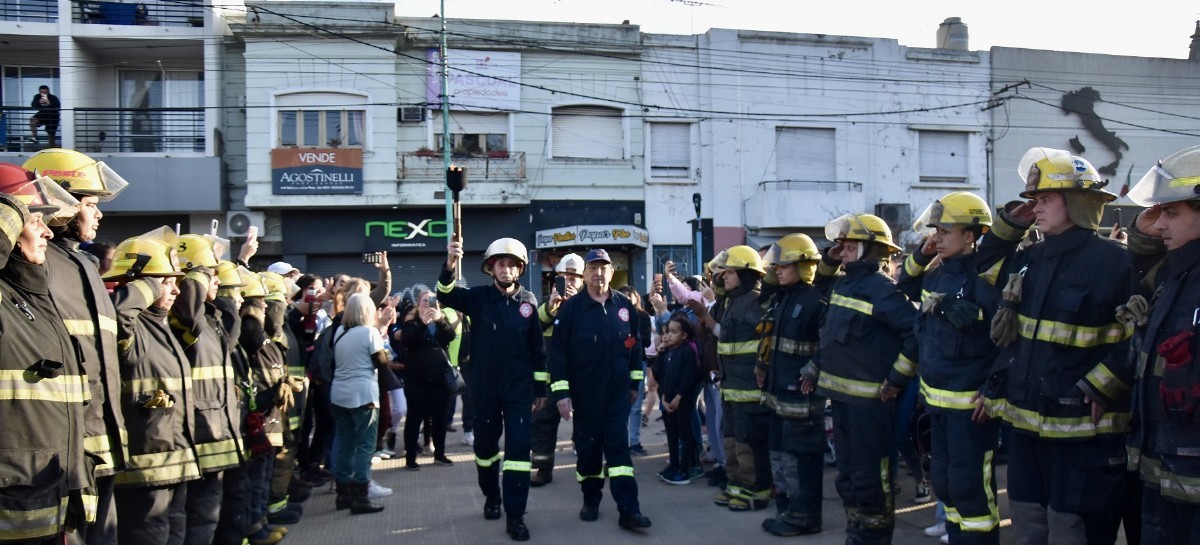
{"points": [[327, 242], [578, 226]]}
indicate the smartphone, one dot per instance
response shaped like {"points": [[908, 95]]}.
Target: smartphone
{"points": [[252, 233], [1120, 223], [560, 285], [370, 257], [432, 301]]}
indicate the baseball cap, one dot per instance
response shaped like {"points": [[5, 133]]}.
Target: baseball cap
{"points": [[282, 268], [599, 254]]}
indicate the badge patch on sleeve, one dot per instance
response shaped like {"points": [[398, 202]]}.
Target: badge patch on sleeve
{"points": [[623, 314], [526, 310]]}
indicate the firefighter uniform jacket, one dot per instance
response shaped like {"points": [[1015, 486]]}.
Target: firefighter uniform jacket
{"points": [[507, 350], [1165, 439], [790, 339], [954, 362], [88, 313], [737, 345], [1069, 341], [160, 446], [43, 390], [197, 326], [267, 367], [595, 353], [867, 337]]}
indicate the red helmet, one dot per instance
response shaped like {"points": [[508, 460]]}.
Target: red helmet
{"points": [[38, 194]]}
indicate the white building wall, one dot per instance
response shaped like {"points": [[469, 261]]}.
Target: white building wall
{"points": [[749, 84], [1150, 104]]}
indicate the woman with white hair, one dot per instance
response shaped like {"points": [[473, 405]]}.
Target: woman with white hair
{"points": [[358, 351]]}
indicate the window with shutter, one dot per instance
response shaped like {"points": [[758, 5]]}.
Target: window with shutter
{"points": [[670, 150], [943, 156], [587, 132], [805, 155]]}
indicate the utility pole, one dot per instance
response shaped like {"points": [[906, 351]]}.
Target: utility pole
{"points": [[446, 119]]}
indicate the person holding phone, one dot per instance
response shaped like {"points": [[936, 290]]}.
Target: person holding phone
{"points": [[425, 335], [48, 107], [567, 282]]}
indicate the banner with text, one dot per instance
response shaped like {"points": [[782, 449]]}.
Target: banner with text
{"points": [[311, 171], [592, 235], [486, 80]]}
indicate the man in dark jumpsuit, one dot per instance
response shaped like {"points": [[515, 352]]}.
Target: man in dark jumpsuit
{"points": [[595, 366], [508, 370]]}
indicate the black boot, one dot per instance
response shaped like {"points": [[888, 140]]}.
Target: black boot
{"points": [[542, 477], [362, 504], [344, 495], [517, 529], [491, 507]]}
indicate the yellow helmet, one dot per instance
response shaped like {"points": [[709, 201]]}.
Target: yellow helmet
{"points": [[254, 284], [140, 257], [1176, 178], [227, 274], [277, 285], [504, 246], [77, 173], [717, 263], [1048, 169], [793, 248], [200, 250], [865, 227], [743, 257], [957, 208]]}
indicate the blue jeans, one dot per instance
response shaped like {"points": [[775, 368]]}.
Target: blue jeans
{"points": [[354, 442], [712, 416], [635, 413]]}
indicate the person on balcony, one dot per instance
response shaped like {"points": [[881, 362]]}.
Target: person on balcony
{"points": [[48, 107]]}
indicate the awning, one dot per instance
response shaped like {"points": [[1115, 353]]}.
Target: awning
{"points": [[592, 235]]}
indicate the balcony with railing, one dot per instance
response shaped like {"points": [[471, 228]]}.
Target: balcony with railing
{"points": [[31, 11], [150, 13], [111, 130], [139, 130], [801, 203]]}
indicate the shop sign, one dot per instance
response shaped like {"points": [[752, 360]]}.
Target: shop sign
{"points": [[486, 80], [311, 171], [407, 234], [592, 235]]}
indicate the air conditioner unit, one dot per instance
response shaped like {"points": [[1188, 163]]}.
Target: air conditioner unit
{"points": [[410, 114], [897, 215], [238, 223]]}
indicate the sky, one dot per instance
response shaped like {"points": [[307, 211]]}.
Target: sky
{"points": [[1146, 28]]}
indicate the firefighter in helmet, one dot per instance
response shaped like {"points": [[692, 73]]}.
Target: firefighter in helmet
{"points": [[1061, 348], [867, 354], [508, 373], [957, 305]]}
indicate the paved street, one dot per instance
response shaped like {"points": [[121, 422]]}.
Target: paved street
{"points": [[440, 505]]}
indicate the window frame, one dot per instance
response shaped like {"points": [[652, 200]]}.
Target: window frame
{"points": [[944, 178], [689, 170], [319, 100]]}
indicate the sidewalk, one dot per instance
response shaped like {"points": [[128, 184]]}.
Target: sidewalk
{"points": [[440, 505]]}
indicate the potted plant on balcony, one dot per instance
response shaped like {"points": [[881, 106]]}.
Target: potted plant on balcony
{"points": [[498, 154], [424, 151]]}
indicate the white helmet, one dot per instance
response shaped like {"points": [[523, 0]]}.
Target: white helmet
{"points": [[570, 264], [505, 246]]}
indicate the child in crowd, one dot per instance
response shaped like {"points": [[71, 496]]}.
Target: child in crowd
{"points": [[678, 373]]}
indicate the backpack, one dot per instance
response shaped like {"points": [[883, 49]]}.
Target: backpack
{"points": [[322, 364]]}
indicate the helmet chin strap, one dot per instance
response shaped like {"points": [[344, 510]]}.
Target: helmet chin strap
{"points": [[858, 254], [503, 285]]}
